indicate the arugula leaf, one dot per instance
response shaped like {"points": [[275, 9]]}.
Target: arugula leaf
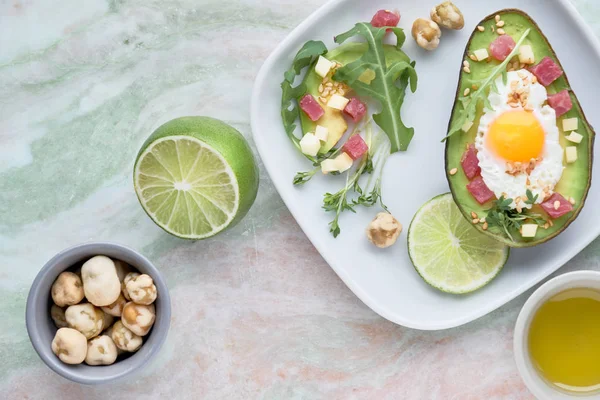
{"points": [[469, 103], [290, 111], [389, 84]]}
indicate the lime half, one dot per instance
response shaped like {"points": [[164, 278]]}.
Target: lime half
{"points": [[195, 176], [448, 252]]}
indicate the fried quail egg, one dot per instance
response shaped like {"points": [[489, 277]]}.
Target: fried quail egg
{"points": [[518, 140]]}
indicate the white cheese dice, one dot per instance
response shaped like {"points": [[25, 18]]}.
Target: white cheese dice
{"points": [[528, 230], [467, 126], [574, 137], [481, 54], [526, 54], [321, 133], [570, 124], [328, 165], [310, 145], [323, 66], [571, 154], [338, 102], [343, 162]]}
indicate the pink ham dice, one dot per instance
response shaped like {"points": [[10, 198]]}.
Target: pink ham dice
{"points": [[502, 47], [355, 147], [547, 71], [480, 191], [356, 109], [561, 102], [385, 18], [311, 107], [563, 206], [470, 163]]}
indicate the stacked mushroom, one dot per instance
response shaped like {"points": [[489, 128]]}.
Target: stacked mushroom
{"points": [[87, 301]]}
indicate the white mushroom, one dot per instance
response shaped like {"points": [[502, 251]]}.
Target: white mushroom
{"points": [[115, 309], [122, 269], [100, 281], [101, 351], [69, 345], [384, 230], [86, 318], [138, 318], [448, 15], [125, 339], [426, 33], [128, 277], [67, 289], [58, 316], [141, 289]]}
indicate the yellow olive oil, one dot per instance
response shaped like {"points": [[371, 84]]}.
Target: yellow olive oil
{"points": [[564, 340]]}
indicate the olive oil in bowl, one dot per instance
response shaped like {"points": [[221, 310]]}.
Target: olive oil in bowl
{"points": [[564, 340]]}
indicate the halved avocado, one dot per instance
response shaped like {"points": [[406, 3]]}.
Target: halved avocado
{"points": [[576, 179], [333, 119]]}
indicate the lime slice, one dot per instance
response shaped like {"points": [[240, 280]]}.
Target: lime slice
{"points": [[448, 252], [195, 176]]}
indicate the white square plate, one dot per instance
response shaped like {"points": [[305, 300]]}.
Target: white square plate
{"points": [[385, 279]]}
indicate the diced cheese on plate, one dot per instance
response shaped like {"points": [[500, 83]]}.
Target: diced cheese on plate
{"points": [[323, 66], [310, 145], [528, 230], [344, 162], [571, 154], [328, 165], [570, 124], [321, 133], [574, 137], [526, 54], [467, 126], [338, 102], [481, 54]]}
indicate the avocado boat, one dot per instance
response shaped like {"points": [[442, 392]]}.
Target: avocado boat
{"points": [[333, 119], [576, 176]]}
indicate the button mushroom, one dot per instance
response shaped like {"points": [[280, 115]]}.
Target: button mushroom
{"points": [[67, 289], [130, 276], [384, 230], [426, 33], [115, 309], [58, 316], [448, 15], [125, 339], [69, 345], [100, 281], [141, 289], [122, 269], [101, 350], [86, 318], [138, 318]]}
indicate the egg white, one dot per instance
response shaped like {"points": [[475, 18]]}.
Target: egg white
{"points": [[548, 172]]}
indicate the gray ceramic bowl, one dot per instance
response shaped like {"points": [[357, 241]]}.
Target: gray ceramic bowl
{"points": [[41, 328]]}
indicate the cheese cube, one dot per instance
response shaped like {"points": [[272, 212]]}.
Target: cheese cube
{"points": [[528, 230], [467, 126], [343, 162], [481, 54], [323, 66], [338, 102], [526, 54], [321, 133], [328, 165], [570, 124], [574, 137], [571, 154], [310, 145]]}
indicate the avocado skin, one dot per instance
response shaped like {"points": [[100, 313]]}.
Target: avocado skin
{"points": [[576, 179]]}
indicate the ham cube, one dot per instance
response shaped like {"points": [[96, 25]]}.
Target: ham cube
{"points": [[561, 102], [311, 107], [563, 204], [355, 147], [356, 109], [470, 162], [502, 47], [547, 71], [385, 18], [480, 191]]}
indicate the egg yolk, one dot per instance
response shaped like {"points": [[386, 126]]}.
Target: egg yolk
{"points": [[516, 136]]}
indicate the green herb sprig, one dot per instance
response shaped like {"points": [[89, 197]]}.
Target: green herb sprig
{"points": [[507, 218]]}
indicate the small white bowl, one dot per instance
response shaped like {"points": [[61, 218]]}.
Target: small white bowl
{"points": [[536, 384]]}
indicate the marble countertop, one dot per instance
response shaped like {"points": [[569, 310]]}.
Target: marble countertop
{"points": [[257, 313]]}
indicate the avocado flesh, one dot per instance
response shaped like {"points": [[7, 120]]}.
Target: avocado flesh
{"points": [[576, 177], [334, 119]]}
